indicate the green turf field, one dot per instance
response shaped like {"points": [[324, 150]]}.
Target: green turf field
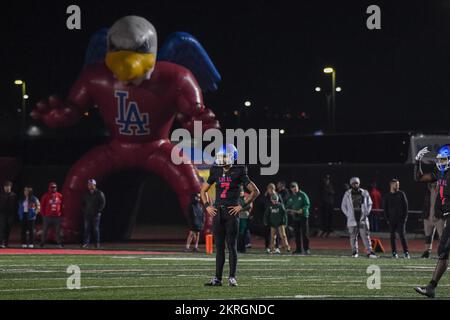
{"points": [[181, 276]]}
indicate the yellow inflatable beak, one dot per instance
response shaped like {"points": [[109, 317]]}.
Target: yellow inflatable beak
{"points": [[128, 65]]}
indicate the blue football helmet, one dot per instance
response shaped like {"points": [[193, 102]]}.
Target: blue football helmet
{"points": [[227, 155], [443, 158]]}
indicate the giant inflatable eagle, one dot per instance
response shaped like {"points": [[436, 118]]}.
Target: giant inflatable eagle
{"points": [[139, 95]]}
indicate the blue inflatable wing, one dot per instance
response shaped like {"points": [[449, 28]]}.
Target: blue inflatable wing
{"points": [[97, 47], [183, 49], [180, 48]]}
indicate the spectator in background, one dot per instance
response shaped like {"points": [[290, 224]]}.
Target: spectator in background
{"points": [[326, 205], [284, 194], [374, 217], [276, 218], [8, 211], [432, 219], [270, 190], [197, 222], [356, 205], [244, 216], [29, 207], [395, 205], [298, 206], [51, 211], [92, 205], [282, 191]]}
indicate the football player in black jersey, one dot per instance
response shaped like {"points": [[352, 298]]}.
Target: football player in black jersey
{"points": [[228, 179], [442, 176]]}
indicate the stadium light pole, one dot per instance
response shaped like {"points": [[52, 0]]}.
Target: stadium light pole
{"points": [[331, 70], [24, 101]]}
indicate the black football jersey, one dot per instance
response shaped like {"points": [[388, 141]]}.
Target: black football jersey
{"points": [[443, 182], [228, 183]]}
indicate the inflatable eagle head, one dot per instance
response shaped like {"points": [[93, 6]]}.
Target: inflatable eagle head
{"points": [[131, 49]]}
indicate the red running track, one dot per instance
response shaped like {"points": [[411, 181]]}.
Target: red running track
{"points": [[176, 247], [78, 251]]}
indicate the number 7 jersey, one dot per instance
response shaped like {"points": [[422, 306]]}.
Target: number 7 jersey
{"points": [[228, 184]]}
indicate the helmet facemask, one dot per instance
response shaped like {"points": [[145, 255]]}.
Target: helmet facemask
{"points": [[224, 159], [442, 163]]}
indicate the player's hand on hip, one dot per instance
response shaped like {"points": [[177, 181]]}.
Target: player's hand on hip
{"points": [[421, 153], [234, 210], [211, 210]]}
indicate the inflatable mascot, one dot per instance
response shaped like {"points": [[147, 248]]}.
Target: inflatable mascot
{"points": [[138, 98]]}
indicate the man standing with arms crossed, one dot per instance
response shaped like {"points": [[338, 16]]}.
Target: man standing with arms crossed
{"points": [[395, 205], [442, 176], [298, 206], [93, 204], [8, 211], [228, 179]]}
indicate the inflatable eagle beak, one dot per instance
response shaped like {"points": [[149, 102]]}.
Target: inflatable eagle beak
{"points": [[132, 48]]}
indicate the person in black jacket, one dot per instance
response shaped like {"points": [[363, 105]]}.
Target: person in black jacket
{"points": [[395, 205], [282, 191], [8, 211], [326, 200], [93, 204], [197, 221]]}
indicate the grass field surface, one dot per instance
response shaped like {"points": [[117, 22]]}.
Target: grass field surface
{"points": [[324, 275]]}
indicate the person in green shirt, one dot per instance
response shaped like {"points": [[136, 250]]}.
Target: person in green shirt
{"points": [[244, 215], [275, 216], [298, 206]]}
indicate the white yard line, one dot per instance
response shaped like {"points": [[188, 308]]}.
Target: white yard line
{"points": [[210, 259]]}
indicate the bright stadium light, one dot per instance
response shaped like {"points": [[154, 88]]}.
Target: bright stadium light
{"points": [[23, 108], [282, 131], [332, 101], [338, 89], [317, 89], [247, 103], [34, 131]]}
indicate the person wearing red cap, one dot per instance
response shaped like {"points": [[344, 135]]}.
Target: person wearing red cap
{"points": [[51, 211]]}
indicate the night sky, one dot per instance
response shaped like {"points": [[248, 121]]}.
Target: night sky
{"points": [[270, 52]]}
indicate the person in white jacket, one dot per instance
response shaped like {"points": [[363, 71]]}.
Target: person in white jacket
{"points": [[356, 205]]}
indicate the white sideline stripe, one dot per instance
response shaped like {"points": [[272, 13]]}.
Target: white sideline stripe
{"points": [[274, 261], [120, 264], [84, 278], [212, 259], [179, 259], [157, 275], [205, 269], [179, 286], [90, 287], [311, 297]]}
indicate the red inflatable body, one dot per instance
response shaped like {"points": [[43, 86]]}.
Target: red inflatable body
{"points": [[139, 119]]}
